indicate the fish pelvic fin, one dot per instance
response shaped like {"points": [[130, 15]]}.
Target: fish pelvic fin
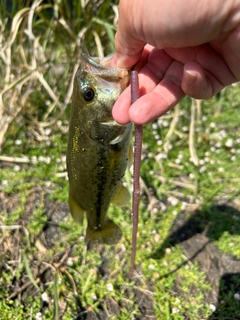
{"points": [[76, 211], [110, 233], [122, 197]]}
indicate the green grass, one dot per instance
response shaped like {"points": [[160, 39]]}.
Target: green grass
{"points": [[33, 136]]}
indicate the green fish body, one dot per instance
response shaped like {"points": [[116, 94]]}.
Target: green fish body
{"points": [[98, 148]]}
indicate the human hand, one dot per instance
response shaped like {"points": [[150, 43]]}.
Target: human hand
{"points": [[192, 49]]}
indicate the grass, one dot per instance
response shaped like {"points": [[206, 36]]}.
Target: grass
{"points": [[190, 162]]}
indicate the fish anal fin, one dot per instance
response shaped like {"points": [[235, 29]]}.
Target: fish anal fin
{"points": [[76, 211], [109, 233], [122, 197]]}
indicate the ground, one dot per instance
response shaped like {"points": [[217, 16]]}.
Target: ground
{"points": [[188, 230]]}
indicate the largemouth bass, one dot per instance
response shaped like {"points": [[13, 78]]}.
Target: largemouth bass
{"points": [[98, 148]]}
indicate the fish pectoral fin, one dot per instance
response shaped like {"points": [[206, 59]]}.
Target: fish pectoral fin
{"points": [[130, 156], [122, 197], [76, 211], [109, 233]]}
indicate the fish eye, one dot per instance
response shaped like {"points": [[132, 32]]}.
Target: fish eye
{"points": [[88, 94]]}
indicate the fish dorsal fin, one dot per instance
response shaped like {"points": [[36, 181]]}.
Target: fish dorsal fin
{"points": [[122, 197]]}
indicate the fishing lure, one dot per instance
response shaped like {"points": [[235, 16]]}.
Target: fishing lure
{"points": [[136, 170]]}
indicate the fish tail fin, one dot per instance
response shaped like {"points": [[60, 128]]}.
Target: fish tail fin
{"points": [[110, 233]]}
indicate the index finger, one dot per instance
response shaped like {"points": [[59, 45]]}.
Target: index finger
{"points": [[160, 89]]}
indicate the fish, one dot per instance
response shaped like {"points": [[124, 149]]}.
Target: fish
{"points": [[99, 149]]}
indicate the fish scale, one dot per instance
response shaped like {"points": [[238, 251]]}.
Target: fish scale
{"points": [[98, 148]]}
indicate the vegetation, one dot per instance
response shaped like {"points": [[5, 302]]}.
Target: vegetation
{"points": [[188, 239]]}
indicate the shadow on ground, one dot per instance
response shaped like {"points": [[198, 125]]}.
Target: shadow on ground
{"points": [[196, 232], [228, 307]]}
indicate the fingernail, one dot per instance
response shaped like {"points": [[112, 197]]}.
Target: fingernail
{"points": [[190, 77]]}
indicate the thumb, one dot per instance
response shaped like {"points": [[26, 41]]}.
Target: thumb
{"points": [[128, 49]]}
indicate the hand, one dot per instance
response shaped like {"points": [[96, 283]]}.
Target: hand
{"points": [[197, 54]]}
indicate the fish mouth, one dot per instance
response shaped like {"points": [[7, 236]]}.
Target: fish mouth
{"points": [[103, 66], [98, 61]]}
